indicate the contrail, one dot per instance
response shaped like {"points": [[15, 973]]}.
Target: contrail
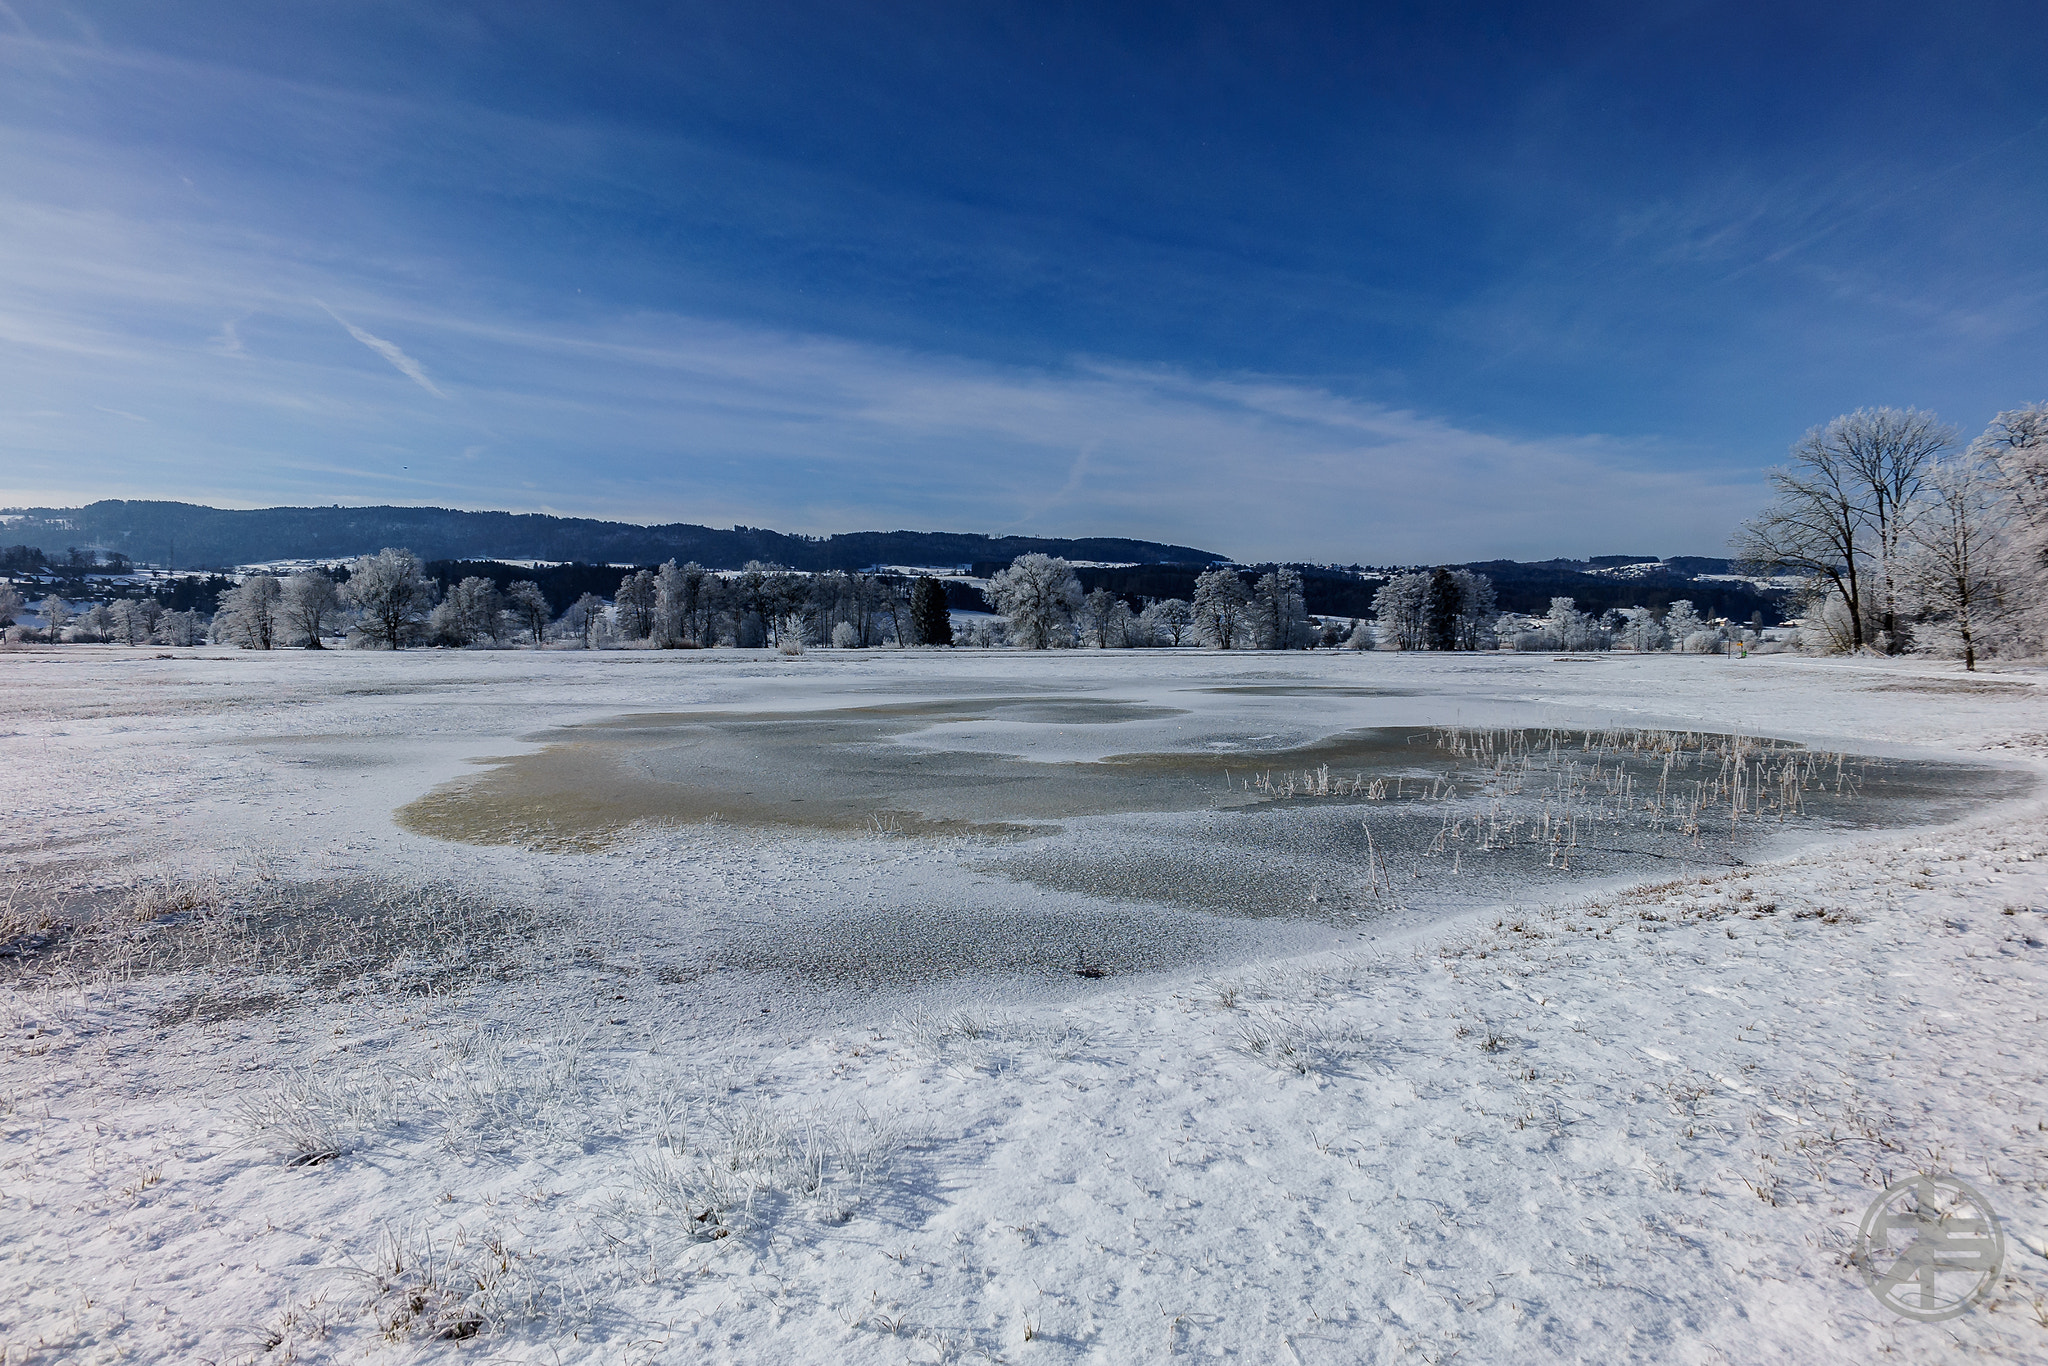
{"points": [[404, 364]]}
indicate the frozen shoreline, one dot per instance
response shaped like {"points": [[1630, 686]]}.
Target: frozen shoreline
{"points": [[1319, 1156]]}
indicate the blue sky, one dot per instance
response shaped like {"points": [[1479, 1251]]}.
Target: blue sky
{"points": [[1391, 283]]}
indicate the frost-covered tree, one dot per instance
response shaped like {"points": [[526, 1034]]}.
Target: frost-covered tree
{"points": [[248, 613], [1572, 629], [471, 612], [1401, 607], [1641, 631], [634, 604], [1478, 609], [1959, 571], [1038, 595], [1279, 613], [1361, 635], [310, 603], [56, 614], [527, 605], [11, 605], [135, 619], [832, 599], [94, 623], [1102, 614], [2015, 445], [1221, 608], [931, 623], [182, 628], [1166, 621], [393, 596], [1842, 510], [1682, 623], [584, 621], [680, 603]]}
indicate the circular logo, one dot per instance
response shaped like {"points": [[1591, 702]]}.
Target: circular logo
{"points": [[1929, 1247]]}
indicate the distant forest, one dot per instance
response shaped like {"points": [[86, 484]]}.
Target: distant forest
{"points": [[456, 545], [189, 536]]}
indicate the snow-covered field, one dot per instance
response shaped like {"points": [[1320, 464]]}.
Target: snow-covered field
{"points": [[312, 1086]]}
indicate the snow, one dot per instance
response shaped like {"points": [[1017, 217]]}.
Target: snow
{"points": [[1639, 1123]]}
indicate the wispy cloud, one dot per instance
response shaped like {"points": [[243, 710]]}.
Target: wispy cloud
{"points": [[402, 363]]}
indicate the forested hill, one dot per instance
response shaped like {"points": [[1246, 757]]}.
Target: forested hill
{"points": [[188, 536]]}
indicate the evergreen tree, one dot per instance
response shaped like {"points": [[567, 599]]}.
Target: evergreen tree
{"points": [[930, 622], [1441, 611]]}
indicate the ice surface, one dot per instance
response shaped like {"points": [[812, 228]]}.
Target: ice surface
{"points": [[288, 1080]]}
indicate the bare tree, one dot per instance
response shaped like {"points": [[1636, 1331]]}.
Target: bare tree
{"points": [[1958, 572], [135, 619], [585, 620], [55, 613], [248, 614], [635, 603], [1100, 615], [1279, 610], [685, 603], [1478, 608], [182, 628], [529, 606], [1039, 595], [1890, 449], [471, 611], [393, 595], [1842, 511], [310, 602], [1169, 617], [2016, 446]]}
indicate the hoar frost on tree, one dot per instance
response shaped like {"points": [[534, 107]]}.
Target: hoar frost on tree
{"points": [[634, 604], [1446, 609], [1221, 607], [678, 595], [1107, 620], [309, 603], [470, 612], [585, 621], [182, 628], [1641, 631], [526, 604], [56, 614], [2015, 446], [1165, 622], [1038, 595], [1959, 566], [1279, 612], [248, 613], [1842, 513], [1401, 607], [136, 620], [393, 596]]}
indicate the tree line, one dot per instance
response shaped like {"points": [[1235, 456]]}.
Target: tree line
{"points": [[1906, 539]]}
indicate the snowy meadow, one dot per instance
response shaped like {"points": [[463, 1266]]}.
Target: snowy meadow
{"points": [[886, 1006]]}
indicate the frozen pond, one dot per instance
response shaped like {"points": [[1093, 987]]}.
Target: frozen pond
{"points": [[1139, 834]]}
